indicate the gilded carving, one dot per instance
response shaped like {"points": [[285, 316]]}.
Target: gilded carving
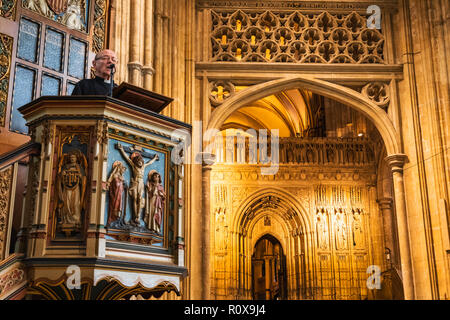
{"points": [[8, 9], [99, 34], [116, 186], [6, 43], [154, 201], [71, 13], [71, 190], [5, 194], [11, 278], [136, 190], [71, 181], [295, 37]]}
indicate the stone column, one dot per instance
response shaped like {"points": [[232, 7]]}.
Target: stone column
{"points": [[388, 224], [134, 65], [208, 160], [147, 69], [396, 163]]}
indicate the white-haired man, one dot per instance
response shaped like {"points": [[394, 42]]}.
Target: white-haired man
{"points": [[100, 85]]}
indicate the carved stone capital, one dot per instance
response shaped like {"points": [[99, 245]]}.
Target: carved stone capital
{"points": [[207, 159], [385, 203], [134, 66], [148, 70], [396, 162]]}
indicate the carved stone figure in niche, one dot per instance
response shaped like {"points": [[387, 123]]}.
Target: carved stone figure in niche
{"points": [[309, 155], [229, 143], [154, 201], [240, 141], [221, 230], [39, 6], [357, 232], [341, 230], [72, 17], [350, 155], [322, 229], [115, 185], [290, 153], [252, 150], [330, 154], [71, 187], [136, 191]]}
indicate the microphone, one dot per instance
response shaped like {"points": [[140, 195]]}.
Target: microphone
{"points": [[112, 66]]}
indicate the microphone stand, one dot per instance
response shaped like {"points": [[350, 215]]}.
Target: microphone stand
{"points": [[111, 78]]}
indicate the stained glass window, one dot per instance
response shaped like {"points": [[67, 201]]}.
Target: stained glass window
{"points": [[77, 57], [69, 88], [54, 50], [49, 57], [23, 93], [50, 86], [28, 40]]}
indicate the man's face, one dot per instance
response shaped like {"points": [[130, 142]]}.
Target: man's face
{"points": [[102, 62]]}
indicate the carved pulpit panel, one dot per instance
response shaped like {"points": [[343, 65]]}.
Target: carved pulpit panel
{"points": [[69, 206], [139, 196]]}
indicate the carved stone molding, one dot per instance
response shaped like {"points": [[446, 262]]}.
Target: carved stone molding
{"points": [[305, 6], [315, 151]]}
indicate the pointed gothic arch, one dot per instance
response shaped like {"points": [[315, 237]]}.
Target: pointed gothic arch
{"points": [[290, 225], [352, 98]]}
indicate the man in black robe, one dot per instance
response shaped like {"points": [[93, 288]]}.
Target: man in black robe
{"points": [[100, 85]]}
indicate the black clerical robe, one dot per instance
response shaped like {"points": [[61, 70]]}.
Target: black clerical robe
{"points": [[96, 86]]}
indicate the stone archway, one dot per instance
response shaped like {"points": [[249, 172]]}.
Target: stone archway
{"points": [[269, 281], [337, 92], [277, 214], [391, 139]]}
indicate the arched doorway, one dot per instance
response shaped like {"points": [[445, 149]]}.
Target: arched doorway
{"points": [[269, 270]]}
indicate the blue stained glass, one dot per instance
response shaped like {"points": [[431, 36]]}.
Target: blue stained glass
{"points": [[77, 58], [50, 86], [23, 93], [28, 40], [69, 88], [53, 53]]}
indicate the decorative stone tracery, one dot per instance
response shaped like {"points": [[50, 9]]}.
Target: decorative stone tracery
{"points": [[294, 37]]}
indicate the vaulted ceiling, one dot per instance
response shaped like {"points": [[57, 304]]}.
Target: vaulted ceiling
{"points": [[292, 112]]}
